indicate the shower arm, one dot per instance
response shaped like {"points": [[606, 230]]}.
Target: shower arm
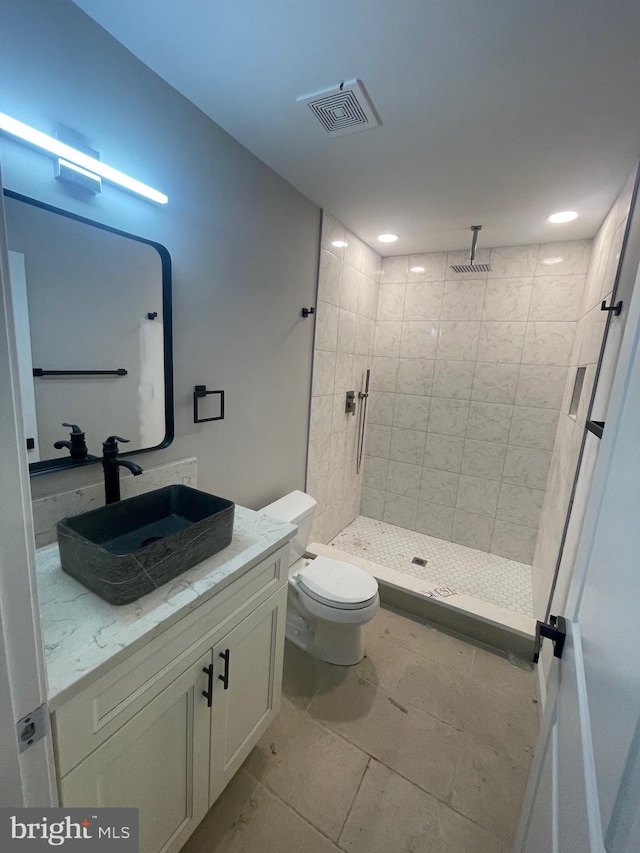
{"points": [[474, 240]]}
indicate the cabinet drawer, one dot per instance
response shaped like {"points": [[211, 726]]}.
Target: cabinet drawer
{"points": [[88, 719]]}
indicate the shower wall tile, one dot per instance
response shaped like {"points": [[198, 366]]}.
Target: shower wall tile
{"points": [[372, 504], [378, 440], [520, 504], [489, 421], [423, 301], [458, 340], [435, 520], [472, 529], [324, 368], [534, 427], [411, 411], [507, 299], [453, 379], [440, 487], [394, 269], [350, 288], [320, 417], [495, 382], [541, 386], [404, 479], [346, 331], [513, 541], [557, 298], [384, 374], [407, 445], [463, 300], [525, 466], [419, 339], [481, 363], [501, 342], [391, 302], [343, 380], [400, 510], [483, 459], [434, 266], [571, 258], [448, 417], [380, 407], [345, 326], [478, 495], [329, 278], [443, 452], [387, 340], [510, 261], [326, 326], [415, 376], [375, 472], [548, 343]]}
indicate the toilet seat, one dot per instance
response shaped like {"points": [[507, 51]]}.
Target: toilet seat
{"points": [[337, 584]]}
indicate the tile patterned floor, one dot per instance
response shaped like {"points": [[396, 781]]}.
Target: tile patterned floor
{"points": [[424, 747], [476, 573]]}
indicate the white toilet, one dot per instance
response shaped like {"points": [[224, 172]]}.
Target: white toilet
{"points": [[329, 600]]}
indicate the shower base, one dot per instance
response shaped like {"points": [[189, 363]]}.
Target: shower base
{"points": [[483, 595]]}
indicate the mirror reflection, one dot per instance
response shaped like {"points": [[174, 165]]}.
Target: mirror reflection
{"points": [[92, 333]]}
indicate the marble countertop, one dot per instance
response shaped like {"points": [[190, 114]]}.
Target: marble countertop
{"points": [[84, 636]]}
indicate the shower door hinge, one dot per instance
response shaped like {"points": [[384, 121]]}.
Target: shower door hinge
{"points": [[555, 630], [32, 727]]}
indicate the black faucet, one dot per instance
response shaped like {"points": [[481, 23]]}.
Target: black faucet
{"points": [[111, 463], [77, 444]]}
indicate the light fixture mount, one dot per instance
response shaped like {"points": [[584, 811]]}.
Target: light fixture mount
{"points": [[71, 155]]}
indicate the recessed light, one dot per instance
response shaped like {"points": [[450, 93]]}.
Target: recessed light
{"points": [[563, 216], [339, 244], [387, 238], [416, 269], [550, 261]]}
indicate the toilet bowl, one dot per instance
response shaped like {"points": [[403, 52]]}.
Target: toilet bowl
{"points": [[329, 600]]}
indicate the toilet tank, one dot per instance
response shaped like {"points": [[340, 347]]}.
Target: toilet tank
{"points": [[296, 508]]}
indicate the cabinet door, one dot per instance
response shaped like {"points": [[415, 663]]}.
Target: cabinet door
{"points": [[157, 762], [249, 662]]}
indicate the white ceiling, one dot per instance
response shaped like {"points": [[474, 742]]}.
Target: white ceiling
{"points": [[497, 112]]}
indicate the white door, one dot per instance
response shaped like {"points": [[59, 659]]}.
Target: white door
{"points": [[584, 788], [22, 327], [246, 693], [26, 778], [158, 762]]}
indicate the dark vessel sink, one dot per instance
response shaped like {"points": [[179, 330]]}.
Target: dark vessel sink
{"points": [[127, 549]]}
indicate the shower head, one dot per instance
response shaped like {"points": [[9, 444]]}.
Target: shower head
{"points": [[471, 267]]}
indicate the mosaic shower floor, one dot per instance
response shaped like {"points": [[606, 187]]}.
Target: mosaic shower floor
{"points": [[476, 573]]}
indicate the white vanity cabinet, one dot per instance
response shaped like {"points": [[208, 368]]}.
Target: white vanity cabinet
{"points": [[165, 730]]}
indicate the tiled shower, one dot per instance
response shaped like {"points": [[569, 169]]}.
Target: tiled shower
{"points": [[471, 376]]}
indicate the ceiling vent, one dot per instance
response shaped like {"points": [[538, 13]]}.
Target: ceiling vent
{"points": [[343, 109]]}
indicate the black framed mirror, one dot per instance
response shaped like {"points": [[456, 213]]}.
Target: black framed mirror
{"points": [[92, 310]]}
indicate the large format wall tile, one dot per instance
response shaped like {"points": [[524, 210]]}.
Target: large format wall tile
{"points": [[508, 299], [453, 379], [480, 361]]}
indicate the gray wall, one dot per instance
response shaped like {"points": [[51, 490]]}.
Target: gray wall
{"points": [[244, 243]]}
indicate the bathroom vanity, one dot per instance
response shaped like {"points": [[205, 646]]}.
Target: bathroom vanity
{"points": [[157, 703]]}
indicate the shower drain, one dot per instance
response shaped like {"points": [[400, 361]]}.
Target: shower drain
{"points": [[419, 561]]}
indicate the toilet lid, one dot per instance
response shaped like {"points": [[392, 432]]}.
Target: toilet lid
{"points": [[340, 584]]}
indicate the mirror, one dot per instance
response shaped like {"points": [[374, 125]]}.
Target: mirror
{"points": [[92, 308]]}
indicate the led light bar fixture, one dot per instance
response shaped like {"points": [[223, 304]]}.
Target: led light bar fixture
{"points": [[54, 146]]}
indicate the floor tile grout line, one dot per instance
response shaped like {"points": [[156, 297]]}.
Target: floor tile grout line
{"points": [[344, 823], [293, 808]]}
